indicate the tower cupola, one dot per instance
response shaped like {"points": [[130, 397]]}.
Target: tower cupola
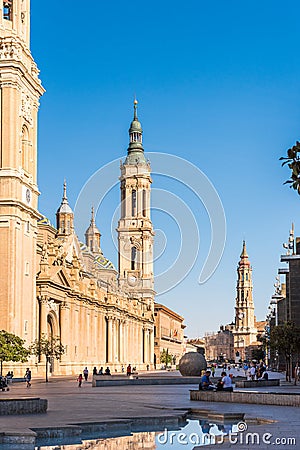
{"points": [[135, 152], [65, 215], [92, 236]]}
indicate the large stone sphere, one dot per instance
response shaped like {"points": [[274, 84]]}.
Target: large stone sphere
{"points": [[191, 364]]}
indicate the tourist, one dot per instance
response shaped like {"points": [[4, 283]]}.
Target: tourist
{"points": [[123, 369], [27, 377], [86, 373], [213, 370], [205, 383], [79, 379], [95, 371], [128, 370], [226, 382], [100, 371], [107, 371], [246, 368], [252, 372]]}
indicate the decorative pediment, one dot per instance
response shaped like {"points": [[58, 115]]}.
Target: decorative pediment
{"points": [[61, 277]]}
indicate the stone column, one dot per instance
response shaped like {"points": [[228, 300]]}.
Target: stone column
{"points": [[43, 315], [121, 341], [151, 346], [65, 325], [109, 340]]}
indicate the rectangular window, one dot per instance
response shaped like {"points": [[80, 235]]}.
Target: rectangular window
{"points": [[7, 9]]}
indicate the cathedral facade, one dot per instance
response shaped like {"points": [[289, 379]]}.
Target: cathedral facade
{"points": [[51, 283]]}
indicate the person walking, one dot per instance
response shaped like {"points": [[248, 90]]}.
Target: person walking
{"points": [[79, 379], [28, 377], [86, 373], [128, 370]]}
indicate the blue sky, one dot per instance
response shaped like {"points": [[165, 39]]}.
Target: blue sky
{"points": [[217, 84]]}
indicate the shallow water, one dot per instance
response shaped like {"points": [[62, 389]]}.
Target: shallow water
{"points": [[193, 432]]}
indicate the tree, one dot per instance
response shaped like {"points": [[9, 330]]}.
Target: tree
{"points": [[12, 348], [166, 357], [50, 348], [293, 162], [285, 339]]}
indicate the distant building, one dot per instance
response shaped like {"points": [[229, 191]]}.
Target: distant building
{"points": [[168, 334], [219, 346]]}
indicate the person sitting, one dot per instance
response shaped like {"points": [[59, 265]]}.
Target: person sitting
{"points": [[107, 371], [95, 371], [100, 371], [226, 382], [265, 376], [205, 384]]}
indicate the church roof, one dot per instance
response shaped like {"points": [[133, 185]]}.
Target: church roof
{"points": [[101, 261]]}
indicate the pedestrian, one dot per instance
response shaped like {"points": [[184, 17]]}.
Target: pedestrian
{"points": [[86, 373], [128, 370], [213, 371], [95, 371], [252, 372], [79, 379], [27, 377]]}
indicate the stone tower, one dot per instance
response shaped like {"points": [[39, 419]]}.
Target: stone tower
{"points": [[136, 235], [20, 92], [135, 230], [92, 236], [65, 216], [244, 331]]}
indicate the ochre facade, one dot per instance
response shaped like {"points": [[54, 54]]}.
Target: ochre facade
{"points": [[50, 282], [243, 329], [168, 334]]}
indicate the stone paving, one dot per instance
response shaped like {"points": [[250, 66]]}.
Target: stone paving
{"points": [[69, 404]]}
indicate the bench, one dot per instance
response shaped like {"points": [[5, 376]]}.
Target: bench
{"points": [[257, 383]]}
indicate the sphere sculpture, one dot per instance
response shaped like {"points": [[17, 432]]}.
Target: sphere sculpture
{"points": [[192, 363]]}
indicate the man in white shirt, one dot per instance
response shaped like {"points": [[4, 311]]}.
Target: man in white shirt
{"points": [[226, 382]]}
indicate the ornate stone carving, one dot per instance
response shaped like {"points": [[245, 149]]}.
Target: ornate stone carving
{"points": [[26, 108]]}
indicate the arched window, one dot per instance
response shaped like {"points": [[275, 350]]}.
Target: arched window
{"points": [[133, 258], [133, 202], [7, 9]]}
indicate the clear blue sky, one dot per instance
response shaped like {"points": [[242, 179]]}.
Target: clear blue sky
{"points": [[218, 84]]}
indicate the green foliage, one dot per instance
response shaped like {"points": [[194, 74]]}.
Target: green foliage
{"points": [[50, 348], [166, 357], [12, 348], [285, 339], [293, 162], [258, 353]]}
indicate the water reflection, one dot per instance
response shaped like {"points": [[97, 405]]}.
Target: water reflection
{"points": [[194, 433]]}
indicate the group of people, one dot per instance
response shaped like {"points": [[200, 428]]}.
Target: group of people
{"points": [[223, 384], [85, 375], [256, 371]]}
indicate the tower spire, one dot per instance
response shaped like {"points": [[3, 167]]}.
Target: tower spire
{"points": [[135, 152], [135, 103], [64, 214], [93, 235]]}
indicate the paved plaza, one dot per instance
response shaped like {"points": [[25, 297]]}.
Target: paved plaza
{"points": [[69, 405]]}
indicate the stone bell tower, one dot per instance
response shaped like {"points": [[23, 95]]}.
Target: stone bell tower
{"points": [[135, 230], [20, 91], [244, 332]]}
